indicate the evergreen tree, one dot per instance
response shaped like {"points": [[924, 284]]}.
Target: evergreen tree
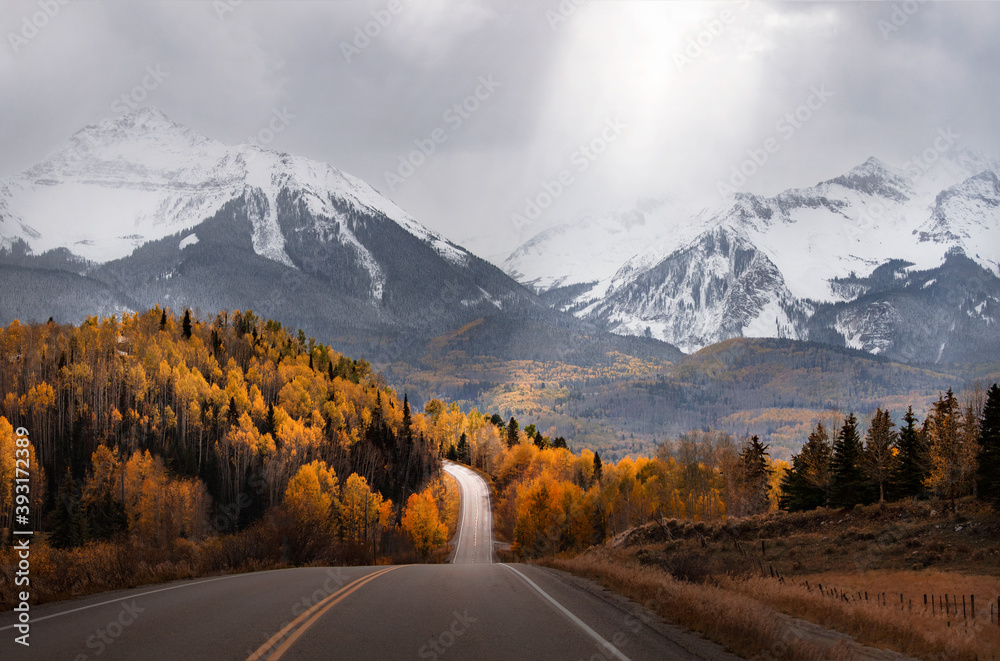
{"points": [[794, 490], [163, 320], [269, 421], [186, 324], [847, 478], [559, 442], [988, 459], [598, 468], [879, 457], [806, 485], [497, 420], [755, 475], [407, 421], [947, 465], [911, 467], [512, 432], [68, 523], [463, 451]]}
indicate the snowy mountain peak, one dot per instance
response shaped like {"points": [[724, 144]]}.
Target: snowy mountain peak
{"points": [[873, 177], [755, 265], [141, 176]]}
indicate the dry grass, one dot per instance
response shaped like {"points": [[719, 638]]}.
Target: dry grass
{"points": [[901, 548], [740, 623], [915, 632]]}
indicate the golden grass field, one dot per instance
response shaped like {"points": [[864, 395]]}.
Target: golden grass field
{"points": [[708, 577]]}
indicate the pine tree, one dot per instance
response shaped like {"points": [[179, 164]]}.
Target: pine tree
{"points": [[988, 459], [463, 451], [807, 484], [946, 465], [598, 468], [847, 478], [794, 490], [912, 464], [512, 432], [186, 324], [163, 320], [68, 523], [880, 451], [755, 475]]}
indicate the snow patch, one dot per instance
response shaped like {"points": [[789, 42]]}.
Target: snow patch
{"points": [[189, 240]]}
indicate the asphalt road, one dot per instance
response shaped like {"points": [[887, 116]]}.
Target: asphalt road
{"points": [[475, 520], [473, 609]]}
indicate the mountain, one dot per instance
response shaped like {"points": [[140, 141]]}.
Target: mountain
{"points": [[140, 211], [896, 262]]}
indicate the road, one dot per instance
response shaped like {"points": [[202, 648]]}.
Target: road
{"points": [[472, 609], [475, 520]]}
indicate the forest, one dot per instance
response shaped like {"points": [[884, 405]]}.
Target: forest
{"points": [[231, 441]]}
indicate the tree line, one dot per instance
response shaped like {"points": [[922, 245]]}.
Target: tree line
{"points": [[161, 426], [954, 452]]}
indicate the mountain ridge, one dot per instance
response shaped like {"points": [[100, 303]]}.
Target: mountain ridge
{"points": [[141, 211], [688, 289]]}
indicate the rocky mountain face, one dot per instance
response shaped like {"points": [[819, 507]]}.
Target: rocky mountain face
{"points": [[141, 211], [897, 263]]}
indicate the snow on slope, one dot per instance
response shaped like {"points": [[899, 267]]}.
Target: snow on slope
{"points": [[848, 225], [141, 177], [593, 248]]}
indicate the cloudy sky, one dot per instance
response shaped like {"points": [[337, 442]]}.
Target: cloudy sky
{"points": [[624, 100]]}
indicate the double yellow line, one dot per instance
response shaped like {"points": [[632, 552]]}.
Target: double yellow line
{"points": [[310, 618]]}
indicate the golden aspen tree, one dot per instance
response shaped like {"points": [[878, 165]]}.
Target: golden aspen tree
{"points": [[422, 522]]}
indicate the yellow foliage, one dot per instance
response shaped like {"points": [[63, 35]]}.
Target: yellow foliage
{"points": [[422, 522]]}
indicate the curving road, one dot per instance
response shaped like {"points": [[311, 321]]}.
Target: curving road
{"points": [[474, 539], [473, 609]]}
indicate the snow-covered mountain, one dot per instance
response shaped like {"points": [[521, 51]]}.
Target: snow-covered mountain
{"points": [[139, 211], [141, 177], [759, 266]]}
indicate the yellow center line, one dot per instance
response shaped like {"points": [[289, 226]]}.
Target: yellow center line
{"points": [[310, 616]]}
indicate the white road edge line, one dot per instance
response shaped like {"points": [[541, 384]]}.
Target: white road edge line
{"points": [[577, 621], [461, 510], [136, 596]]}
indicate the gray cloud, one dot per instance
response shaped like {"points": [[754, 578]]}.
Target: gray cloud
{"points": [[691, 112]]}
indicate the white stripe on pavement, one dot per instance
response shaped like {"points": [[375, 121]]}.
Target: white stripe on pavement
{"points": [[577, 621]]}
